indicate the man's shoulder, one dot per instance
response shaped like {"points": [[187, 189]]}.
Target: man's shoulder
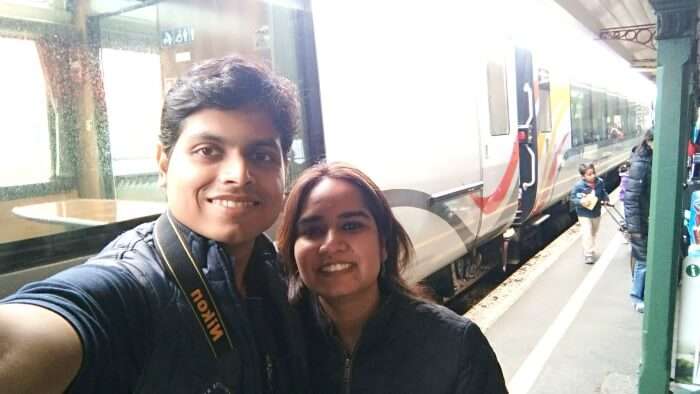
{"points": [[132, 254]]}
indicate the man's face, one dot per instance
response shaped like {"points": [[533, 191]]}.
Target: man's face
{"points": [[225, 175]]}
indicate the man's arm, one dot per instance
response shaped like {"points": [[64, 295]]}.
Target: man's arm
{"points": [[40, 352]]}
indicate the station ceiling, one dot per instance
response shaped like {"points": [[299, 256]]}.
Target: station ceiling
{"points": [[628, 27]]}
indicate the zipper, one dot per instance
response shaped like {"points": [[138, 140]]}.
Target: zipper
{"points": [[347, 368], [347, 373], [268, 369]]}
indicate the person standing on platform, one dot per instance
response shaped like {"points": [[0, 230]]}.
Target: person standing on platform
{"points": [[637, 199], [367, 330], [624, 173], [587, 196], [134, 319]]}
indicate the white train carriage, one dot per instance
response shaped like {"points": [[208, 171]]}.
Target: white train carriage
{"points": [[472, 119], [468, 130]]}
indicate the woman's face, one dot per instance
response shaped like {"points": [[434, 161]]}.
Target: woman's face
{"points": [[338, 250]]}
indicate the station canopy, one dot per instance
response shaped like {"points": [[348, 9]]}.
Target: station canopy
{"points": [[628, 27]]}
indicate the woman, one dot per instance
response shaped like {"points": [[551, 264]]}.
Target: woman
{"points": [[367, 330], [637, 198]]}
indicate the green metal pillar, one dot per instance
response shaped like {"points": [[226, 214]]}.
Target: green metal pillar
{"points": [[676, 26]]}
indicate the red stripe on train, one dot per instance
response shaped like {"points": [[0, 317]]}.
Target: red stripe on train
{"points": [[489, 203]]}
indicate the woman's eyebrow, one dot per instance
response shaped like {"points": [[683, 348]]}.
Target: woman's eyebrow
{"points": [[308, 219], [352, 214]]}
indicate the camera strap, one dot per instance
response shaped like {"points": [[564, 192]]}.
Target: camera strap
{"points": [[182, 266]]}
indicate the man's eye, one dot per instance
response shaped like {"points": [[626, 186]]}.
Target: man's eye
{"points": [[262, 156], [206, 151]]}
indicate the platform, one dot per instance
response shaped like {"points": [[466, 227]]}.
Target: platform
{"points": [[565, 327]]}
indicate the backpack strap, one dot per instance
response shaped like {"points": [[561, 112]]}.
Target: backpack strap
{"points": [[179, 261]]}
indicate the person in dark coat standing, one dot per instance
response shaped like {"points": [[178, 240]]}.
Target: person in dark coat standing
{"points": [[637, 197], [367, 331]]}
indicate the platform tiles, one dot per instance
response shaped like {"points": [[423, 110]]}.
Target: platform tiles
{"points": [[562, 326]]}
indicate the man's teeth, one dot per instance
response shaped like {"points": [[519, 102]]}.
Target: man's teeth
{"points": [[233, 204], [335, 267]]}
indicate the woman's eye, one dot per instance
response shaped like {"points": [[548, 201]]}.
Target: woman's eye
{"points": [[310, 231], [352, 226]]}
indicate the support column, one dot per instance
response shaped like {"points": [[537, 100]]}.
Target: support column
{"points": [[676, 27]]}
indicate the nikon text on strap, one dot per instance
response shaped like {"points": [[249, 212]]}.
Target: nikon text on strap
{"points": [[177, 258]]}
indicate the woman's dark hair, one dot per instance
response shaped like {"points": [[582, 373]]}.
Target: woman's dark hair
{"points": [[394, 238], [583, 167], [645, 145], [230, 83]]}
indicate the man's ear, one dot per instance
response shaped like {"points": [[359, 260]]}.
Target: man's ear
{"points": [[163, 161]]}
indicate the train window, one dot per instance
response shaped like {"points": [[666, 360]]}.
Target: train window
{"points": [[624, 118], [634, 120], [544, 110], [498, 96], [581, 128], [613, 119], [84, 97], [599, 109]]}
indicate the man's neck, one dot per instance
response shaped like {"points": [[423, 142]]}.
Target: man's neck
{"points": [[350, 315], [241, 257]]}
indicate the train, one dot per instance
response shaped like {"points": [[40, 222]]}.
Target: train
{"points": [[472, 119]]}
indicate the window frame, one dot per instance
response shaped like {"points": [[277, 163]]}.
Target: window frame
{"points": [[84, 242]]}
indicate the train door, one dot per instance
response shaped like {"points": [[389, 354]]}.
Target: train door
{"points": [[527, 134], [499, 148]]}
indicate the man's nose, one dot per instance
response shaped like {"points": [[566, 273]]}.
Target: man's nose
{"points": [[236, 170]]}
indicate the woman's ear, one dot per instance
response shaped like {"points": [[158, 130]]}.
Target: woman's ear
{"points": [[163, 161]]}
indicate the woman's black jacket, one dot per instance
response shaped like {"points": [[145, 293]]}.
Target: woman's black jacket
{"points": [[408, 346], [637, 197]]}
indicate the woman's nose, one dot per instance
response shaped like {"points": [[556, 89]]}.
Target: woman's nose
{"points": [[333, 242]]}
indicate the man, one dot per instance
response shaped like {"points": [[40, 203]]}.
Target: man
{"points": [[126, 320]]}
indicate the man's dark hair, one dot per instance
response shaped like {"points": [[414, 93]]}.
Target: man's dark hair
{"points": [[230, 83], [583, 167]]}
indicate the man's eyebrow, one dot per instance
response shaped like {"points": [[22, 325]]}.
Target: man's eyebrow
{"points": [[216, 137], [267, 142], [209, 136]]}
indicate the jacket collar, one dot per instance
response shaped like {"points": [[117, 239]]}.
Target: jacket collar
{"points": [[374, 332], [200, 246]]}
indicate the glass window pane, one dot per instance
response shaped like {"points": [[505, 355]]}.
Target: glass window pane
{"points": [[498, 96], [599, 113], [84, 110], [589, 135], [25, 119], [544, 109], [577, 116]]}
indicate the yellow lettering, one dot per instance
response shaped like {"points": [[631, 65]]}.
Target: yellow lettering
{"points": [[202, 306], [216, 332], [196, 295], [208, 315]]}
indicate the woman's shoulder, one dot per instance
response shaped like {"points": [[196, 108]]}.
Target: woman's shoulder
{"points": [[436, 317]]}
